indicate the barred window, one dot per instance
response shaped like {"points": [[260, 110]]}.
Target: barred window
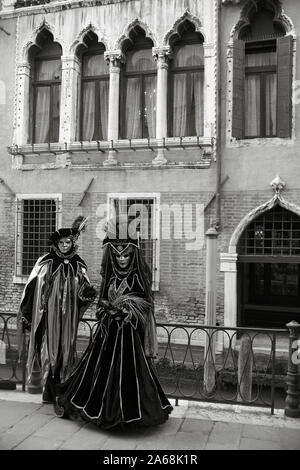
{"points": [[275, 232], [142, 213], [36, 220]]}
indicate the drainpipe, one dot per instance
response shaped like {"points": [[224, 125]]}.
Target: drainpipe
{"points": [[218, 126]]}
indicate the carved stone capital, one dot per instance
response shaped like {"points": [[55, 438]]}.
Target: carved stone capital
{"points": [[114, 60], [162, 55], [70, 62], [23, 68], [209, 49]]}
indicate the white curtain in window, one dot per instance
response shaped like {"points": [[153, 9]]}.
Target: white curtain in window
{"points": [[271, 87], [55, 112], [48, 70], [252, 106], [88, 110], [103, 105], [133, 127], [150, 105], [197, 98], [261, 59], [42, 114], [189, 55], [94, 65], [179, 105]]}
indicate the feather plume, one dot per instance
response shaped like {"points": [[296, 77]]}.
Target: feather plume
{"points": [[138, 306], [80, 223]]}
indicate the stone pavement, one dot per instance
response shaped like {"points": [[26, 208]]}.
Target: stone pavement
{"points": [[26, 424]]}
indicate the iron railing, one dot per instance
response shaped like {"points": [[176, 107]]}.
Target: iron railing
{"points": [[30, 3], [12, 358], [226, 365], [245, 366]]}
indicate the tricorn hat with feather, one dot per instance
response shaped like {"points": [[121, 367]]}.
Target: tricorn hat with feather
{"points": [[73, 232]]}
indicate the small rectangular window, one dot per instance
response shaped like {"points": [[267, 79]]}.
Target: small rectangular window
{"points": [[260, 90], [36, 220], [142, 211]]}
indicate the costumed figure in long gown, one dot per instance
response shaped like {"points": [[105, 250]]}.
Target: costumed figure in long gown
{"points": [[54, 300], [115, 385]]}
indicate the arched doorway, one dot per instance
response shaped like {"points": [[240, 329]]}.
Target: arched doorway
{"points": [[268, 270]]}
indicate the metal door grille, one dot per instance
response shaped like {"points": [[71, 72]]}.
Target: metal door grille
{"points": [[276, 232]]}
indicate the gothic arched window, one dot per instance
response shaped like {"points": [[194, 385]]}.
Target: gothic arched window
{"points": [[46, 86], [262, 78], [186, 78], [138, 88], [94, 90]]}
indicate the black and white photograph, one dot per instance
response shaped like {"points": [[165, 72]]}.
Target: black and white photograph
{"points": [[150, 229]]}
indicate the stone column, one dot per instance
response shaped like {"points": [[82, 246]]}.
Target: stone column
{"points": [[210, 309], [69, 98], [161, 55], [114, 59], [22, 131], [229, 267], [209, 91]]}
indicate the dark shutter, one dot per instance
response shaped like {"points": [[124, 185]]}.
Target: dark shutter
{"points": [[284, 86], [238, 87]]}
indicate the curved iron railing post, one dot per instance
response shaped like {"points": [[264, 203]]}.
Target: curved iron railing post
{"points": [[292, 402]]}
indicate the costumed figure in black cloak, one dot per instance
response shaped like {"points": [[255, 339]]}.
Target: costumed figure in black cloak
{"points": [[54, 300], [114, 384]]}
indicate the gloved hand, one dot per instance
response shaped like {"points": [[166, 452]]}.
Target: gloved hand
{"points": [[90, 292], [26, 325]]}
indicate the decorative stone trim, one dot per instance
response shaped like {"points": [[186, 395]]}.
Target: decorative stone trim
{"points": [[193, 19], [132, 25], [228, 262], [9, 10]]}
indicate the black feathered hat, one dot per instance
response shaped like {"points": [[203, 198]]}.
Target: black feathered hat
{"points": [[73, 232], [120, 234]]}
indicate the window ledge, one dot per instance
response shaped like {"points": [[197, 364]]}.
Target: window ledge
{"points": [[55, 148], [20, 279], [259, 142], [95, 154]]}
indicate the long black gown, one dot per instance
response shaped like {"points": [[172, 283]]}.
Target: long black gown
{"points": [[114, 384]]}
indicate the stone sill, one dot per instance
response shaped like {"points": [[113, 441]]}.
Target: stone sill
{"points": [[205, 164], [111, 145], [20, 279], [260, 142], [103, 155], [143, 166]]}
